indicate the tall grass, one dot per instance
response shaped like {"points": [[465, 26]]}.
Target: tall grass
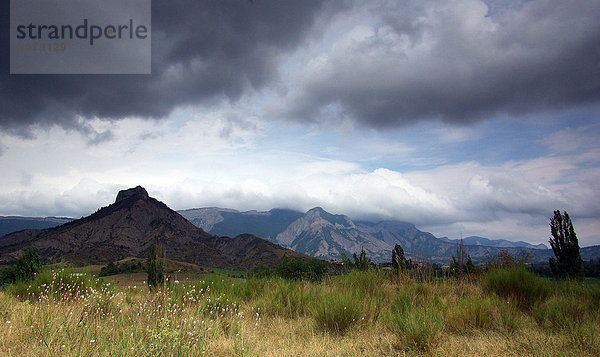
{"points": [[414, 317], [57, 284], [518, 284], [285, 298], [336, 312], [358, 313]]}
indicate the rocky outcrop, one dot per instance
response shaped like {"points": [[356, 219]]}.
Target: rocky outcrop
{"points": [[137, 192]]}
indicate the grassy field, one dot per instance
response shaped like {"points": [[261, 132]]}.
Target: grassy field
{"points": [[503, 313]]}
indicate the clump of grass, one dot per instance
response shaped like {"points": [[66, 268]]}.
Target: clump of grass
{"points": [[413, 315], [511, 320], [417, 328], [287, 298], [471, 312], [363, 282], [585, 337], [336, 312], [517, 283], [560, 312]]}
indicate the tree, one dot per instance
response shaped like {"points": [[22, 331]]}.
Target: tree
{"points": [[362, 262], [25, 269], [28, 265], [398, 259], [568, 262], [154, 266]]}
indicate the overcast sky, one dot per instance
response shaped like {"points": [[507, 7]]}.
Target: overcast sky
{"points": [[468, 116]]}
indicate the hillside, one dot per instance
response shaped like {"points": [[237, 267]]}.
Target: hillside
{"points": [[322, 234], [128, 227], [12, 224]]}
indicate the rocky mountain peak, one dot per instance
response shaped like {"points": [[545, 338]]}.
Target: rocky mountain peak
{"points": [[316, 212], [139, 192]]}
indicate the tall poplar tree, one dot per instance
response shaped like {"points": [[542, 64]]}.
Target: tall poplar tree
{"points": [[567, 262]]}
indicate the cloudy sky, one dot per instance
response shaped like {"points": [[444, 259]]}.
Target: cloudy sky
{"points": [[467, 116]]}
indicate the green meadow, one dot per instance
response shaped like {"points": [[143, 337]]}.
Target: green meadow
{"points": [[502, 312]]}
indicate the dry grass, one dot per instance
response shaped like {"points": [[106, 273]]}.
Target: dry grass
{"points": [[221, 317]]}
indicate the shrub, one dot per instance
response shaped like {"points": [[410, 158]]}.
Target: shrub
{"points": [[260, 271], [296, 269], [8, 275], [28, 265], [121, 268], [25, 269], [523, 286]]}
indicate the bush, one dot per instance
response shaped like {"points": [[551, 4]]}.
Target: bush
{"points": [[517, 283], [121, 268], [296, 269], [25, 269], [8, 275], [260, 271]]}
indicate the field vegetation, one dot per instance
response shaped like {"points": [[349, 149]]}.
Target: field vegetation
{"points": [[505, 311]]}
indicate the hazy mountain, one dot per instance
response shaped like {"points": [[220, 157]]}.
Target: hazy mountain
{"points": [[407, 235], [324, 235], [128, 227], [500, 243], [321, 234], [230, 223], [12, 224]]}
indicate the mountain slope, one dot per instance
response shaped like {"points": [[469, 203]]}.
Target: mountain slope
{"points": [[321, 234], [324, 235], [227, 222], [15, 223], [128, 227]]}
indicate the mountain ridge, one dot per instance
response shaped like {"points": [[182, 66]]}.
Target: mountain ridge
{"points": [[326, 235], [127, 228]]}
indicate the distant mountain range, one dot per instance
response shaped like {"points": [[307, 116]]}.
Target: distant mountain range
{"points": [[122, 230], [12, 224], [501, 243], [127, 228], [325, 235]]}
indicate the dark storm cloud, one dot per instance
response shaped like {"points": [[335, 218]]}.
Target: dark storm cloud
{"points": [[201, 50], [454, 62]]}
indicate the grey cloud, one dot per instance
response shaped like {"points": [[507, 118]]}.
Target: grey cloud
{"points": [[201, 51], [454, 62], [101, 137]]}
